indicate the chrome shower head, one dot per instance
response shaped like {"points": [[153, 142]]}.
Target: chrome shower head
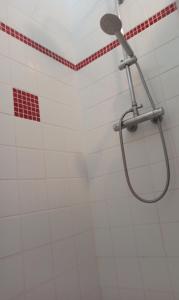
{"points": [[112, 25], [120, 1]]}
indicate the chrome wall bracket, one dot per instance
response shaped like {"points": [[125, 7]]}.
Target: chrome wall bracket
{"points": [[127, 62]]}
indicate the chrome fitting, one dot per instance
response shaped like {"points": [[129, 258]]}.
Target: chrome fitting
{"points": [[127, 62], [131, 123]]}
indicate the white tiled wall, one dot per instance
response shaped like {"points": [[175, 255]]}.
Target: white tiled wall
{"points": [[47, 249], [50, 230], [137, 245]]}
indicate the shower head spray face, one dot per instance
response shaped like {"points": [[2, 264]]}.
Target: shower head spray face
{"points": [[111, 24]]}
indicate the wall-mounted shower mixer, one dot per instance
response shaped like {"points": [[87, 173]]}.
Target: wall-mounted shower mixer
{"points": [[111, 24], [152, 115]]}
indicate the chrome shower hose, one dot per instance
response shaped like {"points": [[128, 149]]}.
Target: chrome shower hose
{"points": [[163, 144]]}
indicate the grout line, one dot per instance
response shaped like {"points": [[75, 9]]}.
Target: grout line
{"points": [[117, 144], [20, 218], [27, 65], [46, 210], [54, 276], [23, 250], [37, 178], [23, 147], [111, 173], [44, 124], [164, 248], [148, 79], [76, 67]]}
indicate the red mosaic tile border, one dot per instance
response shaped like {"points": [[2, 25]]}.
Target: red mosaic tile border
{"points": [[26, 105], [24, 39], [76, 67], [134, 31]]}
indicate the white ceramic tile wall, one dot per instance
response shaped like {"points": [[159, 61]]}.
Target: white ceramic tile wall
{"points": [[49, 241], [137, 245], [47, 249]]}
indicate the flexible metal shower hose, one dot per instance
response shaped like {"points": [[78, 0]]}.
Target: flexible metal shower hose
{"points": [[163, 144]]}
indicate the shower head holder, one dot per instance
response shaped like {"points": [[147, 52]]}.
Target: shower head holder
{"points": [[129, 61]]}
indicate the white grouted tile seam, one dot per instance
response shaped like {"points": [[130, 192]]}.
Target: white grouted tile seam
{"points": [[44, 209], [20, 216], [137, 85], [139, 58], [117, 119], [136, 167], [46, 192], [49, 219], [137, 256], [166, 256], [54, 277], [36, 69], [118, 171], [153, 51], [51, 242]]}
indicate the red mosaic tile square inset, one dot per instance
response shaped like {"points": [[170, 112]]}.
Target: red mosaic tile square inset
{"points": [[26, 105]]}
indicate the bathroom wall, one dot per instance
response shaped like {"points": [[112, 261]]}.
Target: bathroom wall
{"points": [[137, 245], [47, 230], [46, 240]]}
